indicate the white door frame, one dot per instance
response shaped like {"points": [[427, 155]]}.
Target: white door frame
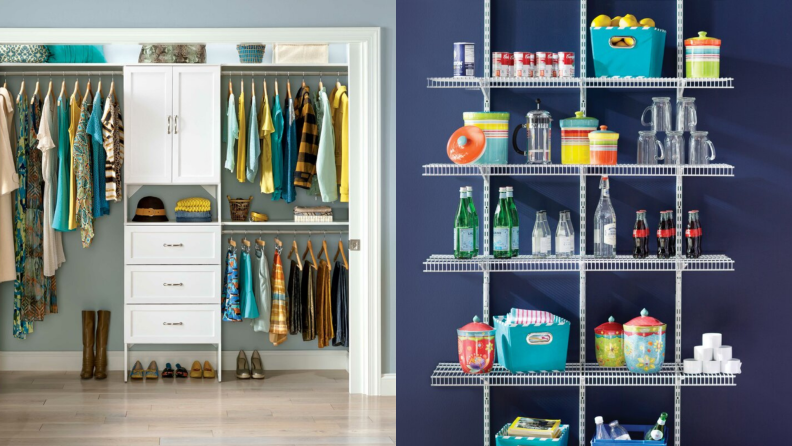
{"points": [[365, 357]]}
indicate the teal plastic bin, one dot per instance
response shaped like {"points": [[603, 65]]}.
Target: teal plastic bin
{"points": [[532, 347], [502, 438], [643, 59]]}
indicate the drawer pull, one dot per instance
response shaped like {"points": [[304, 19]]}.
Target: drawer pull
{"points": [[172, 284], [173, 323], [173, 245]]}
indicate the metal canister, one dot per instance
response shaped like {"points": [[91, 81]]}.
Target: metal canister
{"points": [[464, 59], [555, 64], [500, 64], [523, 64], [566, 64], [544, 64]]}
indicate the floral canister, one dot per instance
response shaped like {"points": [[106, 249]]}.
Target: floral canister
{"points": [[496, 131], [702, 56], [644, 344], [476, 345], [604, 145], [609, 343], [574, 138]]}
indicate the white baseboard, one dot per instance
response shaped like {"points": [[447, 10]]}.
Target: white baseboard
{"points": [[388, 384], [273, 360]]}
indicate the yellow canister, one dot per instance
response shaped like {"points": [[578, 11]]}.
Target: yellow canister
{"points": [[574, 138]]}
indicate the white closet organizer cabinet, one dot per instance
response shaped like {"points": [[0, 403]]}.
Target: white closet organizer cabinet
{"points": [[172, 271]]}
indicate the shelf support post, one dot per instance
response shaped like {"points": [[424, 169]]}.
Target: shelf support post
{"points": [[486, 210], [678, 310], [582, 268], [583, 50]]}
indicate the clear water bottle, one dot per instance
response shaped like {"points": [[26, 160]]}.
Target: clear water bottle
{"points": [[541, 236], [618, 432], [602, 431], [565, 236], [604, 224]]}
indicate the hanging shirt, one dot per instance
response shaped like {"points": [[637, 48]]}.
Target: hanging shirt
{"points": [[98, 158], [266, 128], [83, 174], [309, 141], [21, 327], [264, 297], [36, 287], [324, 308], [230, 293], [340, 303], [233, 134], [277, 149], [325, 159], [52, 243], [246, 297], [9, 182], [289, 152], [341, 128], [308, 302], [279, 328], [242, 143], [113, 132], [294, 296], [60, 220], [75, 107], [254, 148]]}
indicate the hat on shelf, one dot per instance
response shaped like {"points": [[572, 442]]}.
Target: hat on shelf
{"points": [[150, 209]]}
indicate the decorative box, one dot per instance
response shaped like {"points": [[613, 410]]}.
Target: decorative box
{"points": [[609, 343], [502, 438], [702, 56], [154, 53], [532, 347], [24, 53], [642, 57], [644, 344]]}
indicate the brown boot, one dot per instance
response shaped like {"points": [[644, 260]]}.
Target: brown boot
{"points": [[89, 323], [102, 330]]}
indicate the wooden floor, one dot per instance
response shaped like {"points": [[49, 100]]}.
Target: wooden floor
{"points": [[286, 408]]}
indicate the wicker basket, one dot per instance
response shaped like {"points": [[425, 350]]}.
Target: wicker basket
{"points": [[239, 208], [251, 52]]}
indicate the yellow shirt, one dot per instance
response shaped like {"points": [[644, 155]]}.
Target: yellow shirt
{"points": [[75, 107], [241, 144], [341, 127], [266, 127]]}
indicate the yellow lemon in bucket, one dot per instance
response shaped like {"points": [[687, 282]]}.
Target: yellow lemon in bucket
{"points": [[615, 20], [601, 21], [647, 22], [628, 21]]}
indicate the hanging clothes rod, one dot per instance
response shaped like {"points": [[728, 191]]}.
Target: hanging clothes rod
{"points": [[286, 232], [284, 73], [61, 73]]}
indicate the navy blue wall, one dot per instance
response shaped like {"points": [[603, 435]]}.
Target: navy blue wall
{"points": [[743, 217]]}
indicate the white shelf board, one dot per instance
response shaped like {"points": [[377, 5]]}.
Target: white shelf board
{"points": [[284, 223], [172, 223], [475, 83], [526, 263]]}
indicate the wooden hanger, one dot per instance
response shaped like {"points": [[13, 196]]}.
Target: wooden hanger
{"points": [[230, 88], [293, 251], [49, 88], [231, 242], [260, 242], [245, 241], [276, 87], [264, 87], [303, 80], [99, 87], [320, 83], [63, 89], [326, 253], [241, 85], [88, 87], [252, 87], [288, 87], [309, 250], [22, 88], [112, 88], [36, 92], [343, 256], [76, 87], [278, 242], [338, 81]]}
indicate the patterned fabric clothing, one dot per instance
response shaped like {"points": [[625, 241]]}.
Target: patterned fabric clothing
{"points": [[98, 159], [308, 302], [277, 149], [266, 128], [241, 155], [21, 328], [75, 110], [9, 182], [83, 174], [246, 297], [230, 292], [280, 312], [309, 141], [290, 145], [60, 221], [295, 299], [52, 240], [232, 132], [340, 304], [264, 297], [254, 143], [113, 132], [324, 306]]}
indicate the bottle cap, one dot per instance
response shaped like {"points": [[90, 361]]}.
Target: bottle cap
{"points": [[469, 188], [463, 189], [693, 212], [642, 211], [598, 420]]}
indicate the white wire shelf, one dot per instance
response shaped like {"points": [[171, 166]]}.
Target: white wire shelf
{"points": [[286, 223], [643, 170], [448, 264], [475, 83], [450, 374]]}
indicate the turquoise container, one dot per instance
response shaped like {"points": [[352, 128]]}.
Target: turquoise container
{"points": [[496, 130], [644, 344], [643, 59], [502, 438], [532, 347]]}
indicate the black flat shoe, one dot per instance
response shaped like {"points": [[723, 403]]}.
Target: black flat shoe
{"points": [[181, 372], [167, 372]]}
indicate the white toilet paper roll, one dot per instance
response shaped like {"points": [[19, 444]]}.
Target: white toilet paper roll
{"points": [[711, 340], [712, 366], [692, 366], [702, 353], [732, 366], [723, 353]]}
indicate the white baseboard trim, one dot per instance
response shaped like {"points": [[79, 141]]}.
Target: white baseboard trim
{"points": [[273, 360], [388, 384]]}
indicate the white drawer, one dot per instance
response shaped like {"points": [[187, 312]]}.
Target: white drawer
{"points": [[172, 284], [172, 324], [175, 245]]}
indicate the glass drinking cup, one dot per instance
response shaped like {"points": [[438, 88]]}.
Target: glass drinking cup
{"points": [[675, 147], [660, 115], [697, 152], [686, 115], [647, 141]]}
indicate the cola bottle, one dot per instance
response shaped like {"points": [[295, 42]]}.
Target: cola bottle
{"points": [[662, 237], [693, 235], [640, 236], [671, 227]]}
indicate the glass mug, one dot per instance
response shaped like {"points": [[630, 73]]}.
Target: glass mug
{"points": [[647, 141], [686, 115], [660, 115], [675, 147], [698, 148]]}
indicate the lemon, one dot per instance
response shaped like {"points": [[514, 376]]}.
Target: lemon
{"points": [[628, 21], [621, 44], [615, 41], [615, 20], [647, 22], [629, 41], [601, 20]]}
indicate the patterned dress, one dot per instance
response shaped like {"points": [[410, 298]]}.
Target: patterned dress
{"points": [[82, 174], [21, 328], [232, 312]]}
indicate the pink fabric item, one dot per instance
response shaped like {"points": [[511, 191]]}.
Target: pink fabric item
{"points": [[518, 316]]}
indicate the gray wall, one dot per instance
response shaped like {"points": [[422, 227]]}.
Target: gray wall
{"points": [[93, 278]]}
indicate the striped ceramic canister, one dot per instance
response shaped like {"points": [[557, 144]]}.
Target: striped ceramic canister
{"points": [[604, 145], [702, 56], [496, 130], [575, 140]]}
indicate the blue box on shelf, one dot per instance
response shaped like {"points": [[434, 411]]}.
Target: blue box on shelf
{"points": [[532, 347], [502, 438], [635, 430], [642, 56]]}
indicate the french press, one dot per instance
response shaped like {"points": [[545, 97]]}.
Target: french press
{"points": [[538, 128]]}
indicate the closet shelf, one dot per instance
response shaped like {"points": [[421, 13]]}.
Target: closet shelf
{"points": [[590, 374], [526, 263], [172, 223], [285, 223], [475, 83], [642, 170]]}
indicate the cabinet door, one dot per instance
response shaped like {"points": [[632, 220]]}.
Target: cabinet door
{"points": [[196, 134], [148, 126]]}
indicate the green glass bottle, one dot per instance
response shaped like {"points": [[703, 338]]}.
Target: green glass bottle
{"points": [[656, 433], [463, 231], [474, 220], [502, 226], [515, 219]]}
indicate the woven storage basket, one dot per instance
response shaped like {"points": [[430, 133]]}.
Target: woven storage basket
{"points": [[251, 52], [239, 208]]}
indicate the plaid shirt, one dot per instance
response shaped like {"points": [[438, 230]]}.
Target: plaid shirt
{"points": [[279, 316], [308, 135]]}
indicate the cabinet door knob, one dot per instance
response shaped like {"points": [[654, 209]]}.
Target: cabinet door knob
{"points": [[172, 284], [169, 125], [173, 323], [172, 245], [176, 124]]}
